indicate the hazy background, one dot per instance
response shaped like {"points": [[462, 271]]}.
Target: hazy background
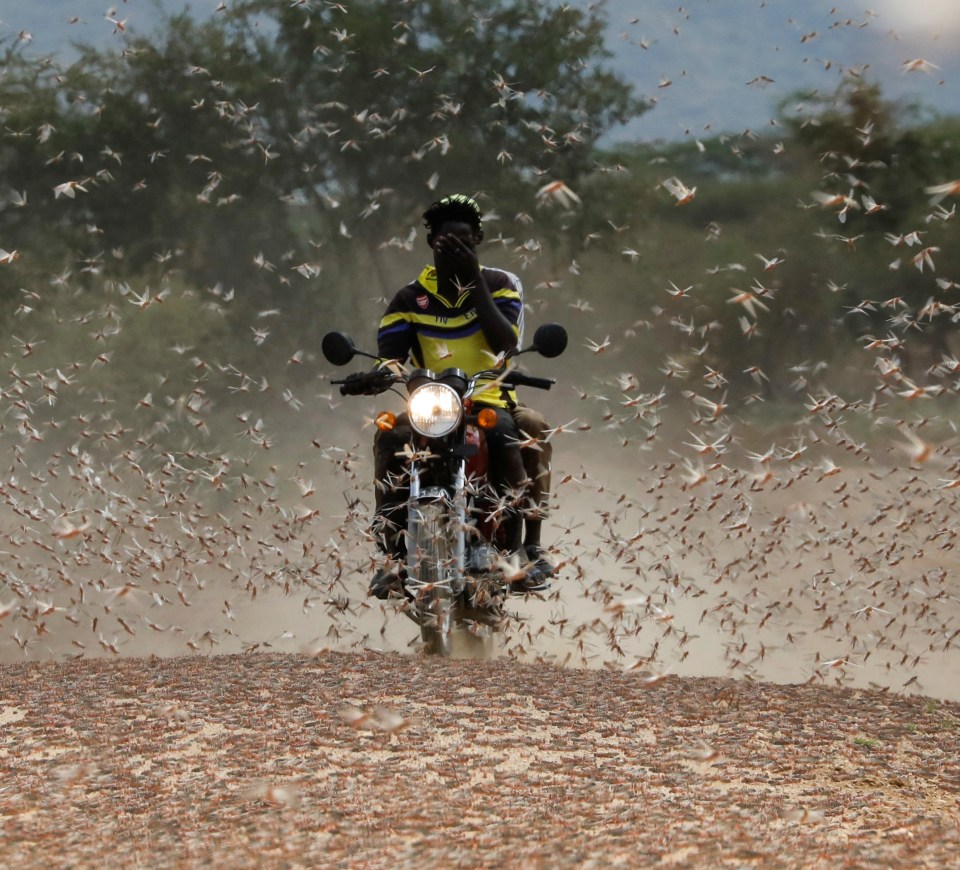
{"points": [[708, 50], [755, 468]]}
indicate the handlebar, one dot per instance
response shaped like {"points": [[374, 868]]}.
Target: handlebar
{"points": [[366, 383], [372, 383], [519, 379]]}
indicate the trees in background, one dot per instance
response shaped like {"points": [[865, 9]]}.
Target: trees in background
{"points": [[264, 169], [798, 248], [271, 162], [285, 130]]}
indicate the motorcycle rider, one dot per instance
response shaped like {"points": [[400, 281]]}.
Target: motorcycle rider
{"points": [[459, 314]]}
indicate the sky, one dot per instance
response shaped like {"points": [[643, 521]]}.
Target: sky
{"points": [[725, 66], [710, 65]]}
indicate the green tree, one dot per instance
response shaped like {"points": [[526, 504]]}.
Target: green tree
{"points": [[274, 141], [881, 156], [157, 154], [357, 111], [386, 102]]}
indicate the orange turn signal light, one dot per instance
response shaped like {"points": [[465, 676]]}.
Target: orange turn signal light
{"points": [[487, 418], [385, 421]]}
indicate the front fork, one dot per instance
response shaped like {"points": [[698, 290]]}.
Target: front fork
{"points": [[455, 503]]}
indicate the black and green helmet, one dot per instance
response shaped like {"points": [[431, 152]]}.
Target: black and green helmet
{"points": [[456, 207]]}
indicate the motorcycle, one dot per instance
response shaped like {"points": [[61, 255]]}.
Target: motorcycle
{"points": [[454, 576]]}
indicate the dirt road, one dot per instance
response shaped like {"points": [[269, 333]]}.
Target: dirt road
{"points": [[383, 760]]}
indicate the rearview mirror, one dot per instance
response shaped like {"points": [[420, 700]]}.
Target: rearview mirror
{"points": [[338, 348], [550, 340]]}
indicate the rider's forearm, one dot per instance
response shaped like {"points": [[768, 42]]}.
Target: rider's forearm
{"points": [[499, 332]]}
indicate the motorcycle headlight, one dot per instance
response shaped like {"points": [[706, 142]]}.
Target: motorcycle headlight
{"points": [[434, 409]]}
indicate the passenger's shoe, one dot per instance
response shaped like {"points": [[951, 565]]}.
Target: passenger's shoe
{"points": [[386, 582], [537, 573], [539, 565], [532, 581]]}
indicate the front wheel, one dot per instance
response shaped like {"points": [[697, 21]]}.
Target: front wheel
{"points": [[436, 632]]}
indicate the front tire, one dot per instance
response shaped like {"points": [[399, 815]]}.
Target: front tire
{"points": [[437, 633]]}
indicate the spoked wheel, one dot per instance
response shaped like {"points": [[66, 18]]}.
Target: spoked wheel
{"points": [[436, 628]]}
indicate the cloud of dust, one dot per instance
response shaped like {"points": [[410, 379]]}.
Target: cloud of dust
{"points": [[666, 568]]}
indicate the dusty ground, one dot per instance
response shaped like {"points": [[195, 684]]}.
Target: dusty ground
{"points": [[289, 721], [382, 760]]}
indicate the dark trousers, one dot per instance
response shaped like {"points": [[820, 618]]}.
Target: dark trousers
{"points": [[537, 454]]}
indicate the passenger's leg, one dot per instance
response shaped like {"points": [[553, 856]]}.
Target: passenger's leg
{"points": [[507, 475], [537, 454]]}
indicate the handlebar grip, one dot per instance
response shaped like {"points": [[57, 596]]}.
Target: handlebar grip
{"points": [[365, 383], [519, 379]]}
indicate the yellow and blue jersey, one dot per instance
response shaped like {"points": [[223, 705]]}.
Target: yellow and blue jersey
{"points": [[435, 333]]}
